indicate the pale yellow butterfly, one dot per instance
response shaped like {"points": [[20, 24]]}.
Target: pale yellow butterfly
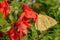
{"points": [[44, 22]]}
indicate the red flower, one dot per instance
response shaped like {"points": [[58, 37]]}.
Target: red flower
{"points": [[4, 8], [12, 33], [29, 13], [23, 22]]}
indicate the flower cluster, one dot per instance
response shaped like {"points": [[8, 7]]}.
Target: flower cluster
{"points": [[22, 23], [4, 8]]}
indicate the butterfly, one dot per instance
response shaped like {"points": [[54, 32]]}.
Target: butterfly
{"points": [[45, 22]]}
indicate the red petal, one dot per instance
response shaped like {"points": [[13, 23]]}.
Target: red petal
{"points": [[28, 25], [4, 8], [23, 22], [20, 18], [29, 13], [21, 35], [13, 34]]}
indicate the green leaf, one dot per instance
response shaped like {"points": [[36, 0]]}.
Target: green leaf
{"points": [[0, 15], [25, 37], [1, 0], [4, 25], [34, 32]]}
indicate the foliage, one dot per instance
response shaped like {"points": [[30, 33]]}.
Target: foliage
{"points": [[45, 7]]}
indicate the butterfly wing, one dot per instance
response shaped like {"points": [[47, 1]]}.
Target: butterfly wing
{"points": [[45, 22]]}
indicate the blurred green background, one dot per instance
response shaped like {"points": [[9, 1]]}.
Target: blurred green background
{"points": [[45, 7]]}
